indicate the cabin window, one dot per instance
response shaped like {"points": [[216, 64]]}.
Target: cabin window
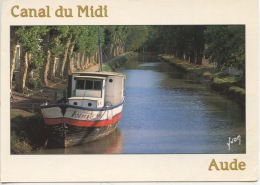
{"points": [[97, 85], [89, 84], [80, 84]]}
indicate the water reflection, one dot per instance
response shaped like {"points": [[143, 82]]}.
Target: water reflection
{"points": [[169, 112], [111, 144]]}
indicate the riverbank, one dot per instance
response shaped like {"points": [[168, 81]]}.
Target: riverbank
{"points": [[119, 61], [222, 82], [27, 127]]}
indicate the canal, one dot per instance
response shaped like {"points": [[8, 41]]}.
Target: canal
{"points": [[168, 111]]}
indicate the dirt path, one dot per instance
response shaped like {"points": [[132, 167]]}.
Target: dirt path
{"points": [[93, 68]]}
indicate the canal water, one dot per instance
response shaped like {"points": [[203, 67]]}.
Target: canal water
{"points": [[170, 112]]}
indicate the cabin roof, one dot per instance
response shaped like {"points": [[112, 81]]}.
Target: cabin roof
{"points": [[101, 74], [84, 98], [90, 77]]}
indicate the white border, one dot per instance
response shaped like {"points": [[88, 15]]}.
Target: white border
{"points": [[122, 168]]}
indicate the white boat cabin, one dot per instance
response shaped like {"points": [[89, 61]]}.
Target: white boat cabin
{"points": [[96, 89]]}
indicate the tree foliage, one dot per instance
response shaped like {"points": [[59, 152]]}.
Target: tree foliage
{"points": [[226, 45], [58, 50], [120, 39], [29, 37]]}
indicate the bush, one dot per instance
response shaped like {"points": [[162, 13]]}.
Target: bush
{"points": [[238, 90], [33, 82], [27, 133], [19, 145], [106, 68]]}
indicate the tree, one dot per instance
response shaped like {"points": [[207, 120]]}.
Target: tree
{"points": [[226, 45], [56, 48], [115, 37], [13, 49], [28, 39], [66, 40], [119, 39], [86, 44], [136, 36]]}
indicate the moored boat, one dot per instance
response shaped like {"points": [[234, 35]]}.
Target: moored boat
{"points": [[93, 109]]}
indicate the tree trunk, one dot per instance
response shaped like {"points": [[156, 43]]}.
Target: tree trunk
{"points": [[29, 71], [92, 60], [114, 54], [78, 61], [20, 87], [97, 58], [199, 44], [12, 66], [57, 67], [71, 59], [82, 60], [180, 55], [50, 74], [192, 57], [45, 68], [199, 59], [64, 58], [87, 62], [118, 50], [52, 71]]}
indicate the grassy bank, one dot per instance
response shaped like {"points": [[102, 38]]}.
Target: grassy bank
{"points": [[228, 85], [27, 132], [225, 84], [186, 66]]}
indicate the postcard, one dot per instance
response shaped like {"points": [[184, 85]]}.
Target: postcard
{"points": [[129, 91]]}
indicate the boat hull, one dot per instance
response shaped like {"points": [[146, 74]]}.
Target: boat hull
{"points": [[65, 135], [70, 125]]}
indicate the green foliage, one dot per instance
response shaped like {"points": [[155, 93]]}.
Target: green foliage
{"points": [[29, 37], [34, 82], [86, 39], [106, 68], [19, 145], [236, 89], [130, 38], [219, 80], [226, 45], [27, 133], [136, 36], [223, 44], [185, 42], [226, 79]]}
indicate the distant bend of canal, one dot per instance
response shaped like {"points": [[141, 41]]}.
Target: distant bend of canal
{"points": [[168, 111]]}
